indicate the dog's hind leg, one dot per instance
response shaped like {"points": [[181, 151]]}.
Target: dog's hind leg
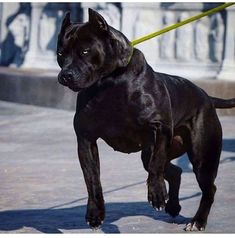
{"points": [[204, 154]]}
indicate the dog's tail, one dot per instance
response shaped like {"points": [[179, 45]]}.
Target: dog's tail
{"points": [[223, 103]]}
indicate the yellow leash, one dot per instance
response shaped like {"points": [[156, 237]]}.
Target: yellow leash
{"points": [[179, 24]]}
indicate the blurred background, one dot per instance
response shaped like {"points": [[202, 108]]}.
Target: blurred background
{"points": [[203, 51]]}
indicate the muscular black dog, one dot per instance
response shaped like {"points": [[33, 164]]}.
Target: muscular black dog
{"points": [[131, 107]]}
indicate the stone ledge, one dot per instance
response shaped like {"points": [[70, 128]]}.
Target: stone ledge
{"points": [[35, 87], [38, 87], [219, 88]]}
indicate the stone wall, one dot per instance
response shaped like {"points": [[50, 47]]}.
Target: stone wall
{"points": [[203, 49]]}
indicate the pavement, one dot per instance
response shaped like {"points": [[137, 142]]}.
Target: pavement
{"points": [[42, 189]]}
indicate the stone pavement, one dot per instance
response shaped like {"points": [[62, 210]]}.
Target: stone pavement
{"points": [[42, 188]]}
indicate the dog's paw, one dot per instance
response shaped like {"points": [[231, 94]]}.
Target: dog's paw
{"points": [[194, 226], [172, 208], [157, 195], [94, 223], [95, 216]]}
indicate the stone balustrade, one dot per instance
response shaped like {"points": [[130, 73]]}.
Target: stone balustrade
{"points": [[203, 49]]}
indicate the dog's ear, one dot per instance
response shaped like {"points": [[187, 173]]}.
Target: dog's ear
{"points": [[97, 20], [66, 22]]}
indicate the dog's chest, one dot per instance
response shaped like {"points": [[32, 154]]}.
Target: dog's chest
{"points": [[112, 117]]}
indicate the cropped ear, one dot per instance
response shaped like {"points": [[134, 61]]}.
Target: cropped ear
{"points": [[66, 22], [97, 20]]}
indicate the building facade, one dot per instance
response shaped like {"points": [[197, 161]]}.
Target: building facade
{"points": [[202, 49]]}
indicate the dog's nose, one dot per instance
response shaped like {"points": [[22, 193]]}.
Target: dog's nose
{"points": [[66, 76]]}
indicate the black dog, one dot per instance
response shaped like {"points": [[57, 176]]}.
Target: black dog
{"points": [[131, 107]]}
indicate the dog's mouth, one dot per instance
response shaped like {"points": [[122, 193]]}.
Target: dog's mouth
{"points": [[74, 88], [69, 84]]}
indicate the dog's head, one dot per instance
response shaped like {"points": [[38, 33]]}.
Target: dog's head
{"points": [[90, 51]]}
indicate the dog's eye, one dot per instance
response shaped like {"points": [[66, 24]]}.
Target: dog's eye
{"points": [[85, 52], [59, 53]]}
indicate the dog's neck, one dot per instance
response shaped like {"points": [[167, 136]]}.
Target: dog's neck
{"points": [[136, 64]]}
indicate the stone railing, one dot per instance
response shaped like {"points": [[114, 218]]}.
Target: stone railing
{"points": [[203, 49], [197, 47]]}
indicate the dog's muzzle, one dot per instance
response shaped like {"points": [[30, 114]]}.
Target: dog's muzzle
{"points": [[66, 78]]}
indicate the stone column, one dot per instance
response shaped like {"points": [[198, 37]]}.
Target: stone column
{"points": [[228, 66], [35, 57], [184, 40], [167, 42]]}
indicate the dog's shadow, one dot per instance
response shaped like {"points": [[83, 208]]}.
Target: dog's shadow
{"points": [[52, 220]]}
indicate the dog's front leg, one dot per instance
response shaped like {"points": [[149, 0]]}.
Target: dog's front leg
{"points": [[156, 185], [89, 160]]}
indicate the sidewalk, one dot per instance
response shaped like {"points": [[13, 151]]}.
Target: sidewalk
{"points": [[43, 191]]}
